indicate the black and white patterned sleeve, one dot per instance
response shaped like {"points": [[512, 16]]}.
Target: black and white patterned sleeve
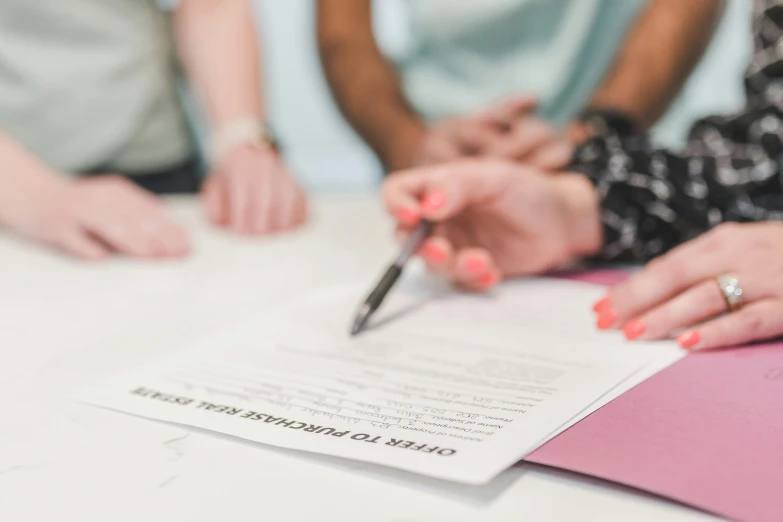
{"points": [[730, 170]]}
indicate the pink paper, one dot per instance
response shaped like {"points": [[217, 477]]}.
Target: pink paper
{"points": [[707, 431], [598, 277]]}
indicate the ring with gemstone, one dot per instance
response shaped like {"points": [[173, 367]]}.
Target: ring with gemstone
{"points": [[731, 290]]}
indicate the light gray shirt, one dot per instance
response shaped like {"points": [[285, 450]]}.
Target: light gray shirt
{"points": [[88, 84]]}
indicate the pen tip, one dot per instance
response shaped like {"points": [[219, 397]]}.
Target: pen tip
{"points": [[360, 321], [358, 326]]}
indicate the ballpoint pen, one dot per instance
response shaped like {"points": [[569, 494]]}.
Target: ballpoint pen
{"points": [[376, 297]]}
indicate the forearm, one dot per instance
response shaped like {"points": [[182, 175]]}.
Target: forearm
{"points": [[17, 162], [219, 49], [365, 85], [658, 55], [24, 179]]}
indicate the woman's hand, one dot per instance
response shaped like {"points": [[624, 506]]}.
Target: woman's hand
{"points": [[252, 192], [496, 219], [678, 294]]}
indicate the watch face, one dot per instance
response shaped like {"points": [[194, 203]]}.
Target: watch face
{"points": [[269, 138], [603, 121]]}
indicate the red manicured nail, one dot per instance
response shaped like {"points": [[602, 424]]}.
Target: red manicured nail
{"points": [[606, 319], [487, 280], [407, 216], [434, 254], [634, 329], [601, 305], [689, 339], [476, 265], [433, 202]]}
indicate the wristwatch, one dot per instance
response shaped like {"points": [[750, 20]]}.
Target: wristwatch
{"points": [[245, 131], [601, 122]]}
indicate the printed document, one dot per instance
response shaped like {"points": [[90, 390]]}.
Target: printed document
{"points": [[448, 385]]}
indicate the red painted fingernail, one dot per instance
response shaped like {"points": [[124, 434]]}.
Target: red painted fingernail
{"points": [[488, 280], [601, 305], [433, 202], [634, 329], [434, 254], [476, 265], [689, 339], [407, 216], [606, 319]]}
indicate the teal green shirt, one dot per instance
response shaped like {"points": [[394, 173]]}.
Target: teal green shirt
{"points": [[468, 55]]}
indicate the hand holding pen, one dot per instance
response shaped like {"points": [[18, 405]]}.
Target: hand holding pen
{"points": [[451, 197]]}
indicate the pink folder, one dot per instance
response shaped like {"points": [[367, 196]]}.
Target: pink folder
{"points": [[707, 431]]}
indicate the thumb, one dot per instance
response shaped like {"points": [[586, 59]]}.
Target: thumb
{"points": [[458, 187], [509, 111], [519, 106]]}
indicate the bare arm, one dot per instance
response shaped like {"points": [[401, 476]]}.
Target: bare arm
{"points": [[219, 49], [250, 190], [658, 55], [364, 83], [20, 167]]}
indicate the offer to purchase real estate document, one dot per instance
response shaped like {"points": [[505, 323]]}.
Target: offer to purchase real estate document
{"points": [[452, 386]]}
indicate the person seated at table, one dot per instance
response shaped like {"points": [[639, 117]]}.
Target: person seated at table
{"points": [[91, 124], [480, 69], [625, 200]]}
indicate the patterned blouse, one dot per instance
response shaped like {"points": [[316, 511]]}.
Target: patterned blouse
{"points": [[730, 170]]}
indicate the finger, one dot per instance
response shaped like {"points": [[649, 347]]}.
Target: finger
{"points": [[121, 235], [291, 207], [167, 238], [438, 254], [436, 149], [402, 192], [696, 305], [526, 137], [115, 217], [78, 243], [146, 218], [472, 136], [283, 217], [758, 321], [554, 156], [664, 278], [263, 193], [475, 269], [443, 191], [238, 202], [454, 189], [214, 196], [505, 114], [519, 105], [301, 208], [283, 202]]}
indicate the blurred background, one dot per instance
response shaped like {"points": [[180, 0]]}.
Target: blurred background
{"points": [[328, 157]]}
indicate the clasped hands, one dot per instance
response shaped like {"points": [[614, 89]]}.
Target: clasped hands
{"points": [[509, 130]]}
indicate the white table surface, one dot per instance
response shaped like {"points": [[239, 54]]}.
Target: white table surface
{"points": [[65, 325]]}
